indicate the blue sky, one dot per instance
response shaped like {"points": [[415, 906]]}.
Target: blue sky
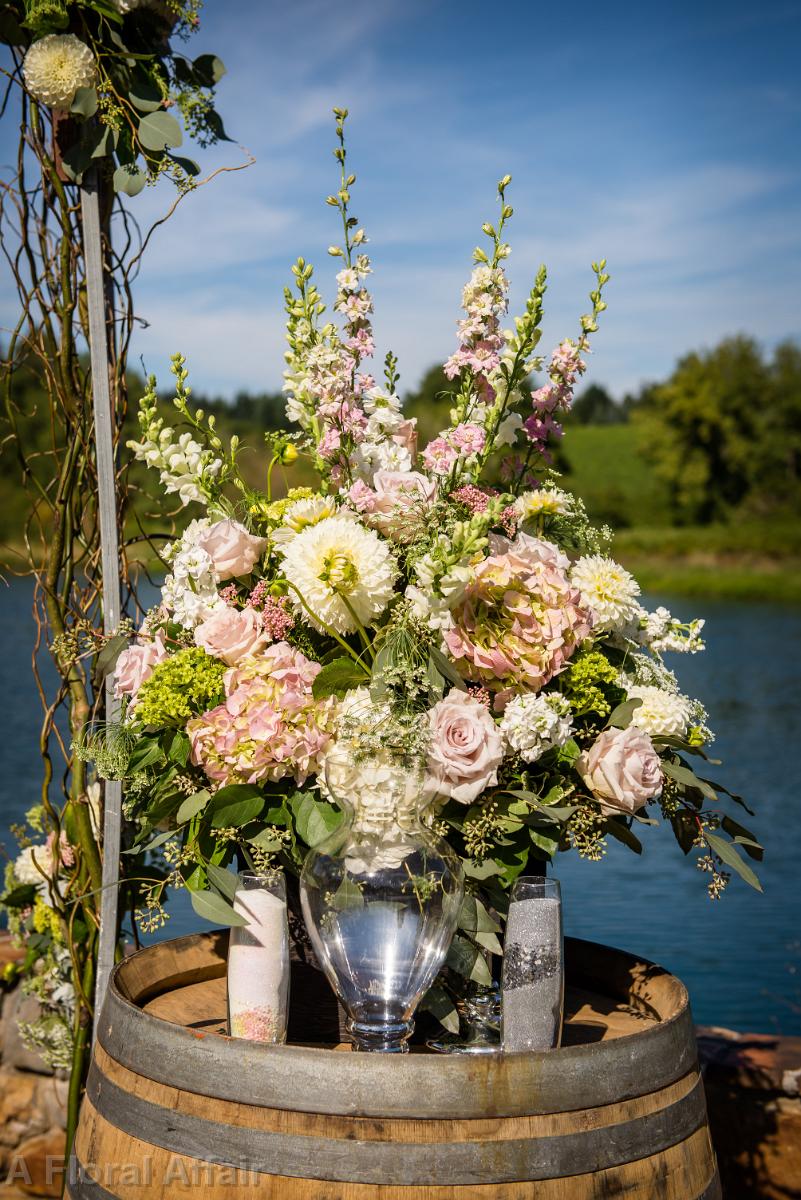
{"points": [[665, 138]]}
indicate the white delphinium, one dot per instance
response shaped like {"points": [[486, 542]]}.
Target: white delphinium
{"points": [[190, 590], [344, 572], [607, 590], [301, 515], [533, 724], [56, 66]]}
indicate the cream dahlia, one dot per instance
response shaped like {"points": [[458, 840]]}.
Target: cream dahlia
{"points": [[607, 590], [56, 66], [661, 713], [301, 515], [344, 572]]}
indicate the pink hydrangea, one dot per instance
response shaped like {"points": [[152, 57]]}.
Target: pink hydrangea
{"points": [[269, 726], [520, 619]]}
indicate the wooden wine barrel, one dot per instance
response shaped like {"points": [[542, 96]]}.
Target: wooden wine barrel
{"points": [[173, 1107]]}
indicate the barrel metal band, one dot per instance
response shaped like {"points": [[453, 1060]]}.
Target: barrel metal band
{"points": [[403, 1163], [413, 1086]]}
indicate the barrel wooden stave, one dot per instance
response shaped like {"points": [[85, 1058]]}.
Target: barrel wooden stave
{"points": [[314, 1125]]}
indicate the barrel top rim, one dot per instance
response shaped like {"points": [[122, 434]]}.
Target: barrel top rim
{"points": [[461, 1064]]}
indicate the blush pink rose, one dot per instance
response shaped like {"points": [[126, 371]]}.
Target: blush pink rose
{"points": [[230, 634], [406, 436], [231, 548], [136, 664], [398, 496], [622, 770], [466, 748]]}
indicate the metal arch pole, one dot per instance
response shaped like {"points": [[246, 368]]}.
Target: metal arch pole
{"points": [[110, 557]]}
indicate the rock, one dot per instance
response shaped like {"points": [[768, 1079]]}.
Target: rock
{"points": [[37, 1165], [752, 1090], [19, 1112], [18, 1008]]}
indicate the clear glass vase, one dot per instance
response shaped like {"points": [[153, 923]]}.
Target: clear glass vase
{"points": [[380, 897], [258, 959], [533, 986]]}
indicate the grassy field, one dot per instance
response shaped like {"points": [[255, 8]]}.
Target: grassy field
{"points": [[748, 559]]}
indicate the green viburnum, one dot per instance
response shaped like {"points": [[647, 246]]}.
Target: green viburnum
{"points": [[189, 683], [587, 683]]}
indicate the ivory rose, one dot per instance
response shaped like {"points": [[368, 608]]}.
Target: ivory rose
{"points": [[230, 634], [231, 548], [466, 748], [136, 664], [622, 770]]}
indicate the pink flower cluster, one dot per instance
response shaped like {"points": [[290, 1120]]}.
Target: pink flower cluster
{"points": [[441, 453], [269, 726], [396, 503], [484, 299], [556, 396], [520, 619], [136, 664]]}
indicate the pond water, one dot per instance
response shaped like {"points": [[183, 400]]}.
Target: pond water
{"points": [[740, 956]]}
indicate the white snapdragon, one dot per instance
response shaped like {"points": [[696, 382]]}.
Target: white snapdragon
{"points": [[533, 724], [663, 632], [508, 430], [183, 464]]}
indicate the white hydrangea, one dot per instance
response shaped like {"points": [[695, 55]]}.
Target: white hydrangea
{"points": [[607, 590], [384, 798], [344, 572], [661, 713], [29, 864], [56, 66], [533, 724]]}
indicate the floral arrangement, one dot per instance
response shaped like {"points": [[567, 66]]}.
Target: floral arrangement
{"points": [[109, 66], [452, 600]]}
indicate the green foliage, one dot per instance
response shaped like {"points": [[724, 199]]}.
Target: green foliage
{"points": [[594, 406]]}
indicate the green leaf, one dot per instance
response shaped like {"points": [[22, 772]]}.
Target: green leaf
{"points": [[439, 1004], [212, 907], [159, 130], [107, 658], [129, 180], [224, 881], [235, 805], [187, 164], [214, 122], [489, 941], [146, 753], [620, 717], [337, 678], [689, 779], [446, 668], [621, 831], [145, 95], [475, 918], [483, 870], [157, 841], [21, 896], [347, 895], [728, 852], [314, 819], [84, 103], [179, 748], [545, 842], [208, 69], [466, 959], [192, 805]]}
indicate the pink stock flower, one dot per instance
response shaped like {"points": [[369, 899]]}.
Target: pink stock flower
{"points": [[232, 550], [466, 748], [361, 343], [270, 726], [470, 439], [329, 444], [362, 497], [439, 456], [520, 619], [622, 770], [136, 664], [231, 634]]}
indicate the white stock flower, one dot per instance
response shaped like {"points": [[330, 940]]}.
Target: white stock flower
{"points": [[378, 400], [56, 66], [534, 724], [607, 590], [662, 713], [344, 572], [190, 590]]}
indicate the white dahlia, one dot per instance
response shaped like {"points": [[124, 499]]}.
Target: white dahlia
{"points": [[56, 66], [548, 502], [301, 515], [533, 724], [607, 590], [344, 572], [662, 713]]}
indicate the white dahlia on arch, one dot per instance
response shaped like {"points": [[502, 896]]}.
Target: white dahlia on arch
{"points": [[56, 66], [302, 514], [661, 713], [607, 590], [344, 572]]}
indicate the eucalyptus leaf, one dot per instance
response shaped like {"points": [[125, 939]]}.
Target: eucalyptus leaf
{"points": [[192, 805], [84, 102], [21, 896], [728, 852], [208, 69], [688, 778], [224, 881], [620, 717], [154, 844], [159, 130], [186, 164], [466, 959], [129, 180], [145, 95], [446, 668], [439, 1004], [621, 831], [212, 907]]}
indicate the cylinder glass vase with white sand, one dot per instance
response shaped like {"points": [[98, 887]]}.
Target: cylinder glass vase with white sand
{"points": [[533, 967], [258, 959]]}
